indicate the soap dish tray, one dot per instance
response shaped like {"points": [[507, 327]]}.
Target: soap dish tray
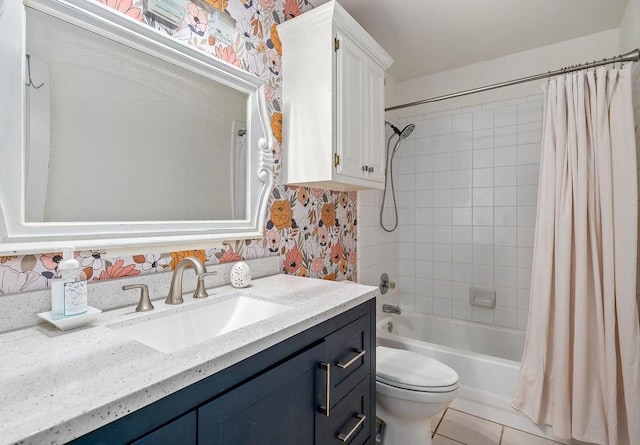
{"points": [[72, 321]]}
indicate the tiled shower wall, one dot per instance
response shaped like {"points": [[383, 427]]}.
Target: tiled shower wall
{"points": [[467, 182]]}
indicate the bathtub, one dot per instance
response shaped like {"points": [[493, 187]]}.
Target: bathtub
{"points": [[486, 359]]}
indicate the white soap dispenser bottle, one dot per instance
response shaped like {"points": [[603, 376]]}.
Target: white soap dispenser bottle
{"points": [[69, 288]]}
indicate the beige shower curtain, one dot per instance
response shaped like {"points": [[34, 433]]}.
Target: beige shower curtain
{"points": [[581, 367]]}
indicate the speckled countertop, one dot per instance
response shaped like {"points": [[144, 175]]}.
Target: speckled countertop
{"points": [[56, 386]]}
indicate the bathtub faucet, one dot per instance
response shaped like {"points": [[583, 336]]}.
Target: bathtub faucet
{"points": [[391, 309]]}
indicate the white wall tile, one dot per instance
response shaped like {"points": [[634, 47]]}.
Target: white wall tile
{"points": [[523, 316], [441, 271], [424, 181], [462, 235], [424, 269], [424, 234], [506, 136], [461, 179], [442, 252], [482, 315], [505, 276], [461, 310], [505, 236], [441, 307], [505, 116], [524, 278], [421, 164], [505, 196], [424, 305], [443, 217], [527, 195], [442, 144], [462, 141], [529, 154], [406, 165], [525, 257], [423, 146], [483, 255], [523, 298], [442, 289], [424, 216], [462, 197], [483, 216], [424, 252], [407, 250], [460, 291], [505, 317], [483, 197], [526, 236], [483, 236], [528, 174], [506, 296], [505, 156], [526, 216], [442, 180], [483, 120], [483, 158], [529, 133], [505, 216], [442, 162], [463, 253], [442, 125], [442, 198], [483, 139], [424, 287], [442, 234], [424, 128], [407, 302], [505, 255], [462, 122], [505, 176], [462, 216], [424, 198], [462, 273], [530, 112], [483, 177], [462, 160]]}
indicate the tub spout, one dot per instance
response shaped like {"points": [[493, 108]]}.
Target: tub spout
{"points": [[391, 309]]}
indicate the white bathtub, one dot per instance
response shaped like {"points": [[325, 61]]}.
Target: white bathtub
{"points": [[486, 358]]}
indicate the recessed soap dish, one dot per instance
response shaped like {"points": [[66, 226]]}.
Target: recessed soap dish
{"points": [[72, 322]]}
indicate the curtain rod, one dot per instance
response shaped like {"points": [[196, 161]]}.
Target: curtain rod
{"points": [[631, 56]]}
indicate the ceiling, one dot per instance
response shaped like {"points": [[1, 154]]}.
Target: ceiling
{"points": [[429, 36]]}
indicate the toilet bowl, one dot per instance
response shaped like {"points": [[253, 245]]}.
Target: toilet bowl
{"points": [[411, 388]]}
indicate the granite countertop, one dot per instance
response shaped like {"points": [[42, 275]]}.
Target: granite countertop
{"points": [[57, 386]]}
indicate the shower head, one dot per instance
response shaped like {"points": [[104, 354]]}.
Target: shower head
{"points": [[404, 133]]}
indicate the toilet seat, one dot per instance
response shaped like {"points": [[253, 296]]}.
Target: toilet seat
{"points": [[415, 372]]}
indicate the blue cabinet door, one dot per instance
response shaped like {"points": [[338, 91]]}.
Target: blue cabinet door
{"points": [[181, 431], [277, 407]]}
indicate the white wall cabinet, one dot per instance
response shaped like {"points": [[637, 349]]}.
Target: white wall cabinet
{"points": [[333, 102]]}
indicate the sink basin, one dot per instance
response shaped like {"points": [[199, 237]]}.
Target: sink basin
{"points": [[186, 326]]}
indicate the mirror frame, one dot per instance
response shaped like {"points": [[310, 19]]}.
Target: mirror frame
{"points": [[20, 237]]}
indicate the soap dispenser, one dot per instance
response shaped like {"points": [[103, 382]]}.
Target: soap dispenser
{"points": [[68, 288]]}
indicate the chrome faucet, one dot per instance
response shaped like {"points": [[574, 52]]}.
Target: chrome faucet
{"points": [[175, 290], [391, 309]]}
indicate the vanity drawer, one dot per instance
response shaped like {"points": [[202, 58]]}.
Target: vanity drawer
{"points": [[351, 420], [349, 357]]}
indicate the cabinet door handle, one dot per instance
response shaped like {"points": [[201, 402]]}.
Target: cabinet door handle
{"points": [[365, 168], [345, 437], [370, 169], [325, 409], [359, 353]]}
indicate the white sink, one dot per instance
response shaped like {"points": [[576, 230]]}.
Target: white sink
{"points": [[181, 327]]}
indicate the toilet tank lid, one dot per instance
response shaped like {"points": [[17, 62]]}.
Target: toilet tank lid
{"points": [[410, 368]]}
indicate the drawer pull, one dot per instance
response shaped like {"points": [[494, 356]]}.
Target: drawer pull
{"points": [[360, 353], [345, 437], [325, 409]]}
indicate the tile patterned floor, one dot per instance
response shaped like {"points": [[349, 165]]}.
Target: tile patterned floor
{"points": [[453, 427]]}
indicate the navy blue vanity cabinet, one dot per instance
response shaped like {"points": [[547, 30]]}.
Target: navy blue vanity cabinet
{"points": [[276, 397]]}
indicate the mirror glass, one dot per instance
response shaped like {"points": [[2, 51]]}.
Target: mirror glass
{"points": [[116, 134]]}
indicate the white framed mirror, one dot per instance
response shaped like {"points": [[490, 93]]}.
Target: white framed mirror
{"points": [[114, 135]]}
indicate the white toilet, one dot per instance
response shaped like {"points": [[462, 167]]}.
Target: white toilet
{"points": [[411, 388]]}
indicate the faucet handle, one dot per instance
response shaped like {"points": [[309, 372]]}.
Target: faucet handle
{"points": [[145, 302], [201, 292]]}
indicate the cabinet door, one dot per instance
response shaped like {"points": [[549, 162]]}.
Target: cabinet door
{"points": [[351, 65], [182, 431], [374, 131], [278, 407]]}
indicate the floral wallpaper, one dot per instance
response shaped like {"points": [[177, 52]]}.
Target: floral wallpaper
{"points": [[313, 230]]}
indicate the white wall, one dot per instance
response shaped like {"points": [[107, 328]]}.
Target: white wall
{"points": [[468, 183], [630, 27], [526, 63]]}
